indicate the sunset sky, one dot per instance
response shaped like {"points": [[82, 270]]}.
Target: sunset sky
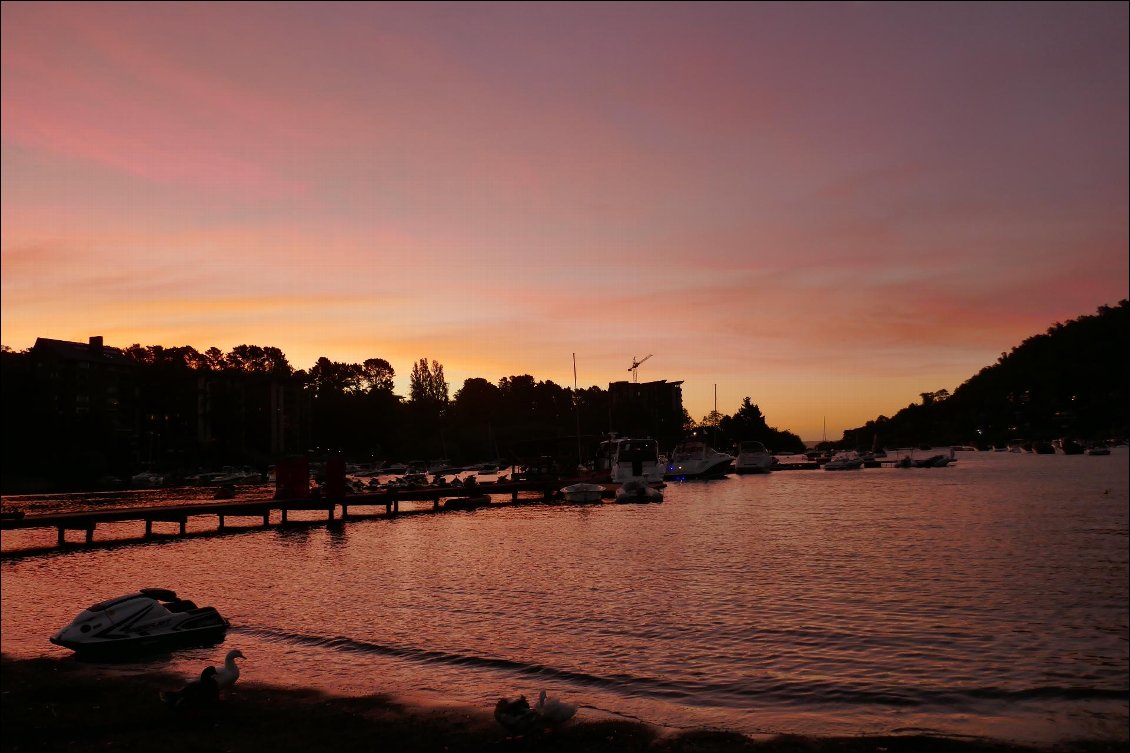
{"points": [[829, 208]]}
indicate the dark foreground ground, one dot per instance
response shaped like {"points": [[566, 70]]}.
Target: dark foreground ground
{"points": [[68, 706]]}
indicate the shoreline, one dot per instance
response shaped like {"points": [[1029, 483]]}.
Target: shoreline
{"points": [[51, 704]]}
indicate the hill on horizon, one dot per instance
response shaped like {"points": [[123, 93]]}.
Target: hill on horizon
{"points": [[1070, 381]]}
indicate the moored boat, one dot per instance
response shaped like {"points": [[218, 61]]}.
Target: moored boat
{"points": [[467, 503], [696, 459], [844, 461], [635, 459], [753, 457], [637, 490], [583, 492]]}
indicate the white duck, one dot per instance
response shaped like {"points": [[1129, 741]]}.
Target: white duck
{"points": [[229, 673], [553, 711]]}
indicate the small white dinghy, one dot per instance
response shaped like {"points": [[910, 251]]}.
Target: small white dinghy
{"points": [[583, 493]]}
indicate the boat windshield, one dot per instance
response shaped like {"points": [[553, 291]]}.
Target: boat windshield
{"points": [[638, 449]]}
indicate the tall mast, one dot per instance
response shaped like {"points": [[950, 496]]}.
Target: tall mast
{"points": [[576, 412]]}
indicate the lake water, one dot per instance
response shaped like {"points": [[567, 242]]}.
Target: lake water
{"points": [[986, 599]]}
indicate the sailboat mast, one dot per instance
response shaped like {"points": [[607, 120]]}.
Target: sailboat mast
{"points": [[576, 412]]}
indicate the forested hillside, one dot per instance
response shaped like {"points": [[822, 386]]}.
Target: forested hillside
{"points": [[1070, 381]]}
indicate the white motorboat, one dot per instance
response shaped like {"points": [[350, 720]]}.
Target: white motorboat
{"points": [[635, 459], [637, 490], [844, 461], [753, 457], [696, 459], [152, 619], [583, 492]]}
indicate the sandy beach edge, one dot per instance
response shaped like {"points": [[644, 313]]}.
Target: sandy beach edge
{"points": [[48, 704]]}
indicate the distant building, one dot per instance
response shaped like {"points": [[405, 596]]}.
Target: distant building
{"points": [[652, 409], [98, 411], [87, 400]]}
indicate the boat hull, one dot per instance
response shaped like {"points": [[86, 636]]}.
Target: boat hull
{"points": [[467, 503], [637, 492], [695, 471], [146, 644]]}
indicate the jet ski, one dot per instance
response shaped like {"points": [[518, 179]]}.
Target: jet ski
{"points": [[153, 619]]}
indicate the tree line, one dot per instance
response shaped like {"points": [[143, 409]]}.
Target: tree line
{"points": [[186, 410]]}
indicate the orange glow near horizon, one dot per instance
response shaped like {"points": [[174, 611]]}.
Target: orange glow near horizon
{"points": [[829, 209]]}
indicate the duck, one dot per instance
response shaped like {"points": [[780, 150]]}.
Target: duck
{"points": [[199, 693], [515, 715], [229, 673], [553, 711]]}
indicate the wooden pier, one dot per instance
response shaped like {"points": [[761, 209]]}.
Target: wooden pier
{"points": [[390, 499]]}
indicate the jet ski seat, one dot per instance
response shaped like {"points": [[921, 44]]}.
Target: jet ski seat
{"points": [[180, 605]]}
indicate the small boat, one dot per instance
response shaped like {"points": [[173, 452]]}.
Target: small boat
{"points": [[844, 461], [695, 459], [147, 480], [934, 461], [467, 503], [152, 619], [637, 491], [753, 457], [583, 492]]}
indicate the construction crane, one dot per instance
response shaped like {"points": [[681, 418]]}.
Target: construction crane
{"points": [[636, 365]]}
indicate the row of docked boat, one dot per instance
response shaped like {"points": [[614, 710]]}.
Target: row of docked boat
{"points": [[627, 458], [638, 471], [631, 491]]}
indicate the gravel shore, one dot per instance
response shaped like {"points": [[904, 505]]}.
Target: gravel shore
{"points": [[70, 706]]}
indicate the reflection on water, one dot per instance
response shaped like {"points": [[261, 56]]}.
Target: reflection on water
{"points": [[987, 598]]}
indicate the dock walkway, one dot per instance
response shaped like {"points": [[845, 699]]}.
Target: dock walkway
{"points": [[87, 520]]}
